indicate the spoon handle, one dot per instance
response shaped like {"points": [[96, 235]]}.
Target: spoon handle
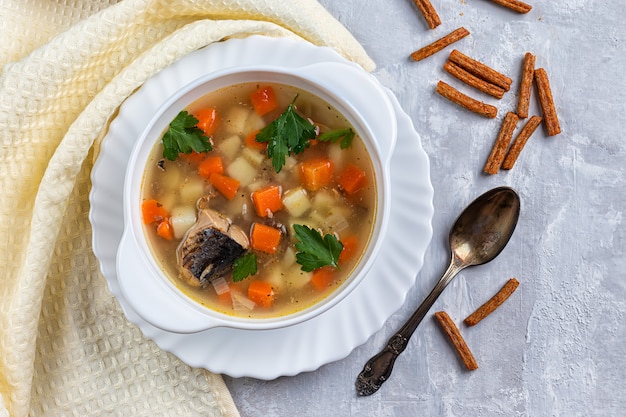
{"points": [[378, 369]]}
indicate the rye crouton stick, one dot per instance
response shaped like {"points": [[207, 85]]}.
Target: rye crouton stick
{"points": [[457, 340], [465, 101], [429, 12], [493, 303], [520, 141], [473, 81], [550, 118], [515, 5], [481, 70], [492, 166], [525, 87], [439, 44]]}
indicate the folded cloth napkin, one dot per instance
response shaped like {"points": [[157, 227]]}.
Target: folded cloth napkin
{"points": [[65, 346]]}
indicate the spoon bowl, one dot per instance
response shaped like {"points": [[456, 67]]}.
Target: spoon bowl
{"points": [[478, 235], [484, 228]]}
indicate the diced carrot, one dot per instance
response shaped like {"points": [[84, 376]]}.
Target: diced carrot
{"points": [[267, 199], [264, 238], [194, 158], [225, 298], [352, 179], [350, 246], [152, 211], [261, 293], [250, 141], [313, 142], [323, 277], [226, 185], [207, 120], [264, 100], [316, 173], [165, 229], [211, 165]]}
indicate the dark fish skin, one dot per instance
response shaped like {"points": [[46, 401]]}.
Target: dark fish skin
{"points": [[209, 254], [209, 248]]}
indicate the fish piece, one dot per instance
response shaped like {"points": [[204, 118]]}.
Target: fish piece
{"points": [[209, 248]]}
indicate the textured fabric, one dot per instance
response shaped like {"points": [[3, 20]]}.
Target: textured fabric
{"points": [[65, 345]]}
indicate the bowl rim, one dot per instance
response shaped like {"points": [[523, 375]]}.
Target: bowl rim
{"points": [[133, 229]]}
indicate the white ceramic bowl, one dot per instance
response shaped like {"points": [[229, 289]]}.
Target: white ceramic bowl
{"points": [[353, 92]]}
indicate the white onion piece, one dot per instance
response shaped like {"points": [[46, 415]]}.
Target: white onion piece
{"points": [[336, 222], [241, 303], [220, 285]]}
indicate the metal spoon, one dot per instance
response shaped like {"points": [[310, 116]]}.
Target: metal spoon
{"points": [[479, 234]]}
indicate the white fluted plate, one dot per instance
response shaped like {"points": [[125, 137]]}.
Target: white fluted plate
{"points": [[268, 354]]}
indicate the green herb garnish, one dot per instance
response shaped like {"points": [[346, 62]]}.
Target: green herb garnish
{"points": [[183, 137], [289, 133], [315, 251], [345, 135], [244, 266]]}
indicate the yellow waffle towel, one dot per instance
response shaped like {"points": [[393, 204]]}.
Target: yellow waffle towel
{"points": [[66, 348]]}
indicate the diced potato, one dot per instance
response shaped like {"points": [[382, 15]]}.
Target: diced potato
{"points": [[230, 146], [171, 178], [316, 218], [275, 277], [241, 170], [289, 257], [168, 200], [297, 278], [183, 217], [290, 163], [311, 223], [254, 122], [323, 200], [282, 176], [287, 172], [296, 201], [235, 121], [336, 154], [257, 185], [255, 157], [191, 190], [237, 204], [338, 210]]}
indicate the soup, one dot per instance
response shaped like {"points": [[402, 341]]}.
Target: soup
{"points": [[259, 201]]}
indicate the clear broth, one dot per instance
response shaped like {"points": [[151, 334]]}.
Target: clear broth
{"points": [[177, 186]]}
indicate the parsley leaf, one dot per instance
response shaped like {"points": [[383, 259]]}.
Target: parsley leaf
{"points": [[346, 135], [289, 133], [244, 266], [315, 251], [183, 137]]}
